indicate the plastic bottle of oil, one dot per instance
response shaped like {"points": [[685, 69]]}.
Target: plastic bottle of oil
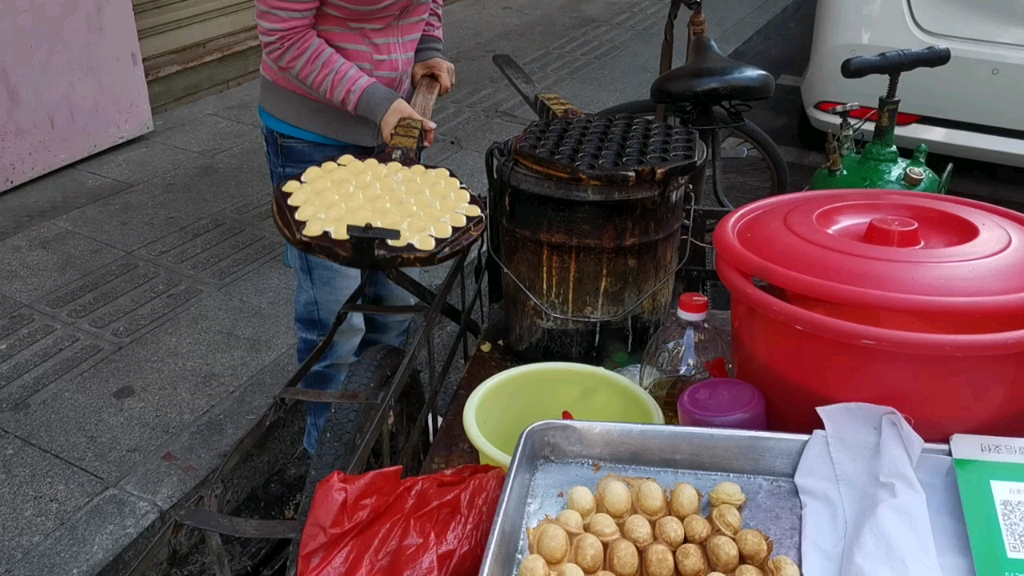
{"points": [[684, 352]]}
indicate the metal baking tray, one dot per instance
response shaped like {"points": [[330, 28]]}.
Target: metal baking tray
{"points": [[554, 456]]}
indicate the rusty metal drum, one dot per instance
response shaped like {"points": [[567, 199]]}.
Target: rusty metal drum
{"points": [[587, 256]]}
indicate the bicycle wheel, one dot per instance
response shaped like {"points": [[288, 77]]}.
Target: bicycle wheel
{"points": [[347, 422], [751, 166]]}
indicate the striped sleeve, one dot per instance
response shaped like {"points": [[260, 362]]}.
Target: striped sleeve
{"points": [[293, 48], [431, 44]]}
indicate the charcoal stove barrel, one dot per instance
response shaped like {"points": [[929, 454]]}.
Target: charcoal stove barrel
{"points": [[585, 223]]}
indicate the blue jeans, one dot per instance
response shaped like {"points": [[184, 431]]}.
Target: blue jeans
{"points": [[322, 287]]}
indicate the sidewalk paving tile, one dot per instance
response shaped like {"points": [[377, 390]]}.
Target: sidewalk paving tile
{"points": [[47, 257], [8, 305], [91, 538], [218, 249], [37, 351], [453, 122], [150, 211], [168, 474], [271, 286], [138, 161], [480, 136], [249, 152], [47, 198], [207, 135], [468, 164], [244, 112], [440, 150], [256, 210], [39, 506], [123, 300], [236, 98], [106, 419]]}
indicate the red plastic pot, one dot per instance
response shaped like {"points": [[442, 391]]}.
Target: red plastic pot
{"points": [[910, 300]]}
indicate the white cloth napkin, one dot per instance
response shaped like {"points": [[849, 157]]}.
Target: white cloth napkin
{"points": [[873, 505]]}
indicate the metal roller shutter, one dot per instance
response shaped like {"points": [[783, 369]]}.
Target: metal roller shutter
{"points": [[191, 48]]}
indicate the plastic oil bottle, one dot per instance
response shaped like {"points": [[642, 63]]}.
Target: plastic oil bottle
{"points": [[684, 352]]}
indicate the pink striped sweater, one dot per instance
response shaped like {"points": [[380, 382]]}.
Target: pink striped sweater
{"points": [[334, 67]]}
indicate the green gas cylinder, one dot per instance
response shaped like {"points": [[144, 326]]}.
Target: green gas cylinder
{"points": [[879, 165], [877, 168]]}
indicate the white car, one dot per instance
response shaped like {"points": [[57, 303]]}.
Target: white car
{"points": [[969, 108]]}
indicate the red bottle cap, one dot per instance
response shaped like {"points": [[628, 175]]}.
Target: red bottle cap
{"points": [[693, 303]]}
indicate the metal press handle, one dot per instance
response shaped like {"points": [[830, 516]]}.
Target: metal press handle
{"points": [[425, 96], [895, 62], [407, 138]]}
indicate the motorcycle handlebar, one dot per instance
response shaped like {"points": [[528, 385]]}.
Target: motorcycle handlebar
{"points": [[895, 62]]}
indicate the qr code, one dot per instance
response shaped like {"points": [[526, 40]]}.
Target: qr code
{"points": [[1009, 497]]}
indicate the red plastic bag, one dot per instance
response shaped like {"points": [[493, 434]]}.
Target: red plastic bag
{"points": [[378, 523]]}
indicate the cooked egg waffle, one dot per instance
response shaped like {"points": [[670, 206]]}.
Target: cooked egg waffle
{"points": [[369, 214]]}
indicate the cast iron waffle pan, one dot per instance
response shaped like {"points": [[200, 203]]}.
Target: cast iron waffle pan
{"points": [[604, 147], [368, 248]]}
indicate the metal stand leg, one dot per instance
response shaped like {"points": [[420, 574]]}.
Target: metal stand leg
{"points": [[205, 516], [421, 292], [324, 344]]}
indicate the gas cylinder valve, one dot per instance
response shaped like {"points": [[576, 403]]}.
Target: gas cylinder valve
{"points": [[913, 176], [835, 161], [845, 138]]}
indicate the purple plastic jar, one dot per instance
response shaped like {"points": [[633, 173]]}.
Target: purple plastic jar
{"points": [[723, 403]]}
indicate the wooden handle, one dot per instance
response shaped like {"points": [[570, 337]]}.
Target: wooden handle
{"points": [[425, 96]]}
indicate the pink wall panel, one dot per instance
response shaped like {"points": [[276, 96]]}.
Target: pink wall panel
{"points": [[71, 83]]}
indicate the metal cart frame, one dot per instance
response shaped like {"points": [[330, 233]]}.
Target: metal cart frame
{"points": [[204, 513]]}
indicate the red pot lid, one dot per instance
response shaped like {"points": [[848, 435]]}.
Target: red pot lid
{"points": [[889, 249]]}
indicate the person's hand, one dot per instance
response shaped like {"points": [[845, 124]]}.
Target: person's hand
{"points": [[439, 68], [401, 109]]}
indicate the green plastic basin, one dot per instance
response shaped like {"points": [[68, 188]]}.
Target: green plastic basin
{"points": [[504, 405]]}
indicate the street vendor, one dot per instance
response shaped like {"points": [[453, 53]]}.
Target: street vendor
{"points": [[336, 77]]}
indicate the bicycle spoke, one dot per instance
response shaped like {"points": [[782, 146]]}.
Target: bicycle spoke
{"points": [[733, 152], [733, 141]]}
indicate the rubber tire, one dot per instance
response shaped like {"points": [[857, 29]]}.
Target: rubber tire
{"points": [[748, 130], [344, 425]]}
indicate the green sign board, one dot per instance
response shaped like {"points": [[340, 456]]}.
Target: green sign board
{"points": [[990, 474]]}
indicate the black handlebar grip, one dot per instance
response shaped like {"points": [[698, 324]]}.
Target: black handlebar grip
{"points": [[895, 62]]}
